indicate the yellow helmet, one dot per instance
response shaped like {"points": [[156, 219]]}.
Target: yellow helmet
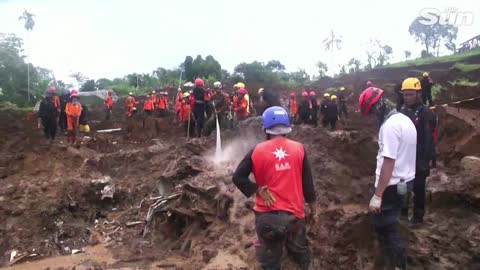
{"points": [[342, 88], [333, 97], [260, 91], [411, 84], [185, 95], [326, 95], [239, 85], [425, 74]]}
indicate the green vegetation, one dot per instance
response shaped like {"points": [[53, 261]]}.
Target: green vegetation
{"points": [[465, 67], [437, 89], [463, 82], [431, 60]]}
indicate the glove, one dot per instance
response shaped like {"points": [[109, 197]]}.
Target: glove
{"points": [[266, 196], [375, 204]]}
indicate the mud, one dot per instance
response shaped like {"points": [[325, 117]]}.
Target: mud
{"points": [[51, 198]]}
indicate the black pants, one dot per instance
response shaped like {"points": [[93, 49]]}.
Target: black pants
{"points": [[419, 194], [199, 115], [148, 112], [108, 112], [342, 109], [314, 120], [276, 230], [386, 228], [50, 127], [62, 121], [427, 96]]}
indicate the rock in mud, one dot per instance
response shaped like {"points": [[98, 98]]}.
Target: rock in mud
{"points": [[471, 165]]}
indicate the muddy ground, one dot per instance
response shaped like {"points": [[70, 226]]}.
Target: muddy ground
{"points": [[51, 199]]}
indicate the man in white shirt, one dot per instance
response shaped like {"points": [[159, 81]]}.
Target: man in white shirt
{"points": [[397, 141]]}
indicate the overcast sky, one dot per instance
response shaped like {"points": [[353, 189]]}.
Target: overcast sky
{"points": [[111, 38]]}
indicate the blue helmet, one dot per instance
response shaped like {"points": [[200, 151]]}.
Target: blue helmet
{"points": [[275, 116]]}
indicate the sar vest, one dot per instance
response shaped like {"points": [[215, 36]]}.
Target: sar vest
{"points": [[278, 165]]}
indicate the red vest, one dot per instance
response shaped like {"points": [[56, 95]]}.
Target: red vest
{"points": [[278, 165]]}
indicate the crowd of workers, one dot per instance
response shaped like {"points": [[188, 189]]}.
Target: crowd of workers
{"points": [[198, 108], [283, 177]]}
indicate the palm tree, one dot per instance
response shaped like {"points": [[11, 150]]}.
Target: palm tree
{"points": [[331, 43], [29, 24]]}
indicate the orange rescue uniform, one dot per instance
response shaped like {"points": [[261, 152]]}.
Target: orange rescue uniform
{"points": [[73, 111], [129, 105]]}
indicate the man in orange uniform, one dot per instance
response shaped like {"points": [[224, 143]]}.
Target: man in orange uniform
{"points": [[162, 105], [73, 109], [178, 103], [241, 105], [109, 104], [154, 99], [185, 114], [148, 105], [293, 107], [130, 104]]}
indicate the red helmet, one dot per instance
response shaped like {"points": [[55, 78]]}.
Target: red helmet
{"points": [[304, 94], [367, 98], [292, 95], [73, 92], [199, 82], [369, 83], [51, 89], [242, 91], [312, 94]]}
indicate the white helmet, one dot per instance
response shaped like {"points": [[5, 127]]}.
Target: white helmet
{"points": [[217, 84], [179, 89]]}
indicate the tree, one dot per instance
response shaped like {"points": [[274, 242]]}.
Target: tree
{"points": [[431, 36], [187, 66], [322, 68], [354, 65], [29, 24], [88, 86], [14, 73], [79, 77], [104, 83], [332, 42], [384, 54], [407, 54], [275, 66]]}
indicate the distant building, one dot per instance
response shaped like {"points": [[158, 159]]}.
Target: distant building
{"points": [[470, 44]]}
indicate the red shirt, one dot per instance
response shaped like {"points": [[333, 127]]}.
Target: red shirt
{"points": [[278, 164]]}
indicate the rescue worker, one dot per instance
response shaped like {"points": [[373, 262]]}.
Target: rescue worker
{"points": [[154, 99], [313, 109], [130, 103], [73, 110], [323, 108], [283, 182], [292, 106], [284, 101], [48, 113], [62, 120], [162, 105], [208, 104], [342, 102], [240, 106], [108, 104], [425, 123], [83, 125], [427, 84], [331, 113], [178, 103], [185, 115], [148, 106], [397, 140], [199, 106], [304, 108]]}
